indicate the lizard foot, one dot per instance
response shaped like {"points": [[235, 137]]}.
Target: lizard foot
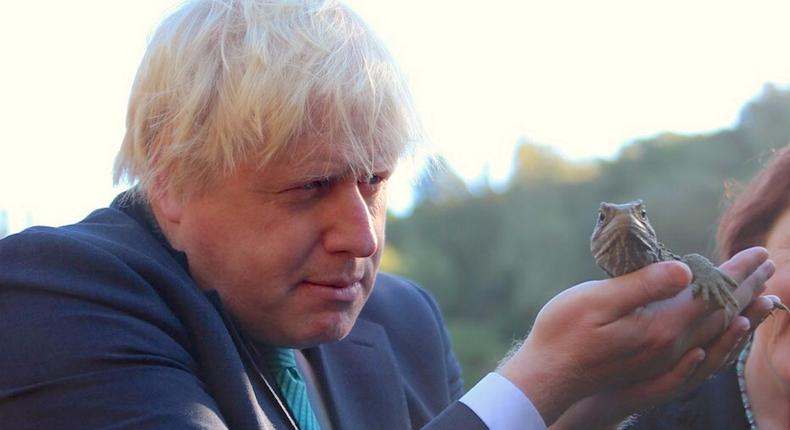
{"points": [[717, 293], [712, 284]]}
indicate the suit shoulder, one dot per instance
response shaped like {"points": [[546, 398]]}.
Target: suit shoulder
{"points": [[103, 227], [392, 290], [107, 240], [48, 275]]}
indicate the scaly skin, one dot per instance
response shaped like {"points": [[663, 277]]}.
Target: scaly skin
{"points": [[624, 241]]}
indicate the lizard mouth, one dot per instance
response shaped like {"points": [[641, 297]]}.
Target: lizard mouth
{"points": [[633, 232]]}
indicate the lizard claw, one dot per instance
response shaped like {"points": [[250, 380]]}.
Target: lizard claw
{"points": [[780, 305]]}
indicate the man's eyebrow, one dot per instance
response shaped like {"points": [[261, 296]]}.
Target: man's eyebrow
{"points": [[312, 173], [323, 172], [297, 178], [320, 170]]}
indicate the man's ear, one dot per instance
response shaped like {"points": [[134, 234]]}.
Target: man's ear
{"points": [[169, 209], [169, 206]]}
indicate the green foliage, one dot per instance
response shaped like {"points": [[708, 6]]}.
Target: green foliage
{"points": [[479, 345], [493, 259]]}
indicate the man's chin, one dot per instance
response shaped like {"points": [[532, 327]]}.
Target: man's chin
{"points": [[333, 331]]}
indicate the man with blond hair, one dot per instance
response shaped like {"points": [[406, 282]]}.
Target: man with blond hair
{"points": [[236, 284]]}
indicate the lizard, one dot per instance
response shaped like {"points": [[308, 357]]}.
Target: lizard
{"points": [[623, 241]]}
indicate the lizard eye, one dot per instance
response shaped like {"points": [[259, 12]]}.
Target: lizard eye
{"points": [[601, 217], [643, 213]]}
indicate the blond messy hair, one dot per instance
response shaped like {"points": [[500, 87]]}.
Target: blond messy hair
{"points": [[227, 81]]}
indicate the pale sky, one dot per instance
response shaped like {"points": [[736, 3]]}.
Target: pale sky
{"points": [[585, 77]]}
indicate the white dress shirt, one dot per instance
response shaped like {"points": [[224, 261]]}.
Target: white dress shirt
{"points": [[502, 406]]}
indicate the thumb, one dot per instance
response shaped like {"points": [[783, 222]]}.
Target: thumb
{"points": [[651, 283]]}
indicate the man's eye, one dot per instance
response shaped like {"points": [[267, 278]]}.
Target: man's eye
{"points": [[313, 185], [372, 180]]}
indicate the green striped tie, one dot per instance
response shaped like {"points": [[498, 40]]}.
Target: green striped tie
{"points": [[282, 363]]}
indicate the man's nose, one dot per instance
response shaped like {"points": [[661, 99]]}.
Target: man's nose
{"points": [[351, 223]]}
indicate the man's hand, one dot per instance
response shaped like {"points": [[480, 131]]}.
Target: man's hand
{"points": [[604, 410], [637, 335]]}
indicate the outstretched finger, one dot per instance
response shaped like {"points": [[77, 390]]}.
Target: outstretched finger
{"points": [[750, 268], [740, 265]]}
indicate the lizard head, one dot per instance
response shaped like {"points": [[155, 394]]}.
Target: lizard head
{"points": [[623, 239]]}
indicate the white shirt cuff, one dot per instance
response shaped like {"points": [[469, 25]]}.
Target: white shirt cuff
{"points": [[502, 406]]}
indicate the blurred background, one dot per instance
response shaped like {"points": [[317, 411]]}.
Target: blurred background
{"points": [[535, 112]]}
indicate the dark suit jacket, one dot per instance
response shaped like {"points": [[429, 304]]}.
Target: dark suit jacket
{"points": [[101, 326], [716, 404]]}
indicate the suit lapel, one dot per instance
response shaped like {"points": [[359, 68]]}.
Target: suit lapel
{"points": [[361, 383], [267, 409]]}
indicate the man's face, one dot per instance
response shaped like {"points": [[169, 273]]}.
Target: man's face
{"points": [[292, 249]]}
